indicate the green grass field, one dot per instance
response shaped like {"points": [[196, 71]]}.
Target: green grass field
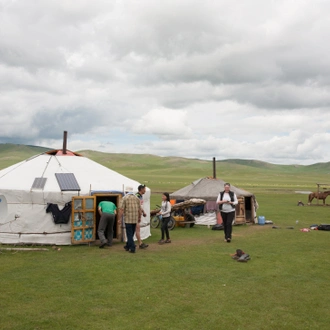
{"points": [[192, 283]]}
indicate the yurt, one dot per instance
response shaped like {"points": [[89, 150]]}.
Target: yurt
{"points": [[208, 189], [52, 198]]}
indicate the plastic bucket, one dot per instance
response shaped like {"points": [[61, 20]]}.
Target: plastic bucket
{"points": [[178, 219], [261, 220]]}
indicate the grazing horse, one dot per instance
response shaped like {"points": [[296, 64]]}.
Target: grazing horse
{"points": [[318, 195]]}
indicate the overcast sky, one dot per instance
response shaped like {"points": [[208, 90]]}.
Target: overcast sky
{"points": [[199, 79]]}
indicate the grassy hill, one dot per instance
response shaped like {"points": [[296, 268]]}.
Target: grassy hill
{"points": [[172, 173], [14, 153]]}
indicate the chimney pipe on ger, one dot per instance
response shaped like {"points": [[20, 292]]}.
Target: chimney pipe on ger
{"points": [[65, 135]]}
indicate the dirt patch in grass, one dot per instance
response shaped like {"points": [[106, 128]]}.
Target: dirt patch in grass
{"points": [[178, 241]]}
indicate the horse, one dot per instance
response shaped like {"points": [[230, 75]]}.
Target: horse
{"points": [[318, 195]]}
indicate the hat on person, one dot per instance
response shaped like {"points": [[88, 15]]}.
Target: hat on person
{"points": [[141, 186], [128, 189]]}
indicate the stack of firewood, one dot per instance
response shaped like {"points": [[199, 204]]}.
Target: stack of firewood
{"points": [[181, 206]]}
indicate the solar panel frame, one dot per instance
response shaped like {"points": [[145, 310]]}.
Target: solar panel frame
{"points": [[39, 183], [67, 182]]}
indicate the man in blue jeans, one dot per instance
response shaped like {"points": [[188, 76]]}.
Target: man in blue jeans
{"points": [[130, 207]]}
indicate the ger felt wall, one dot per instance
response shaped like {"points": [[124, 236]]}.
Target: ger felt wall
{"points": [[23, 217]]}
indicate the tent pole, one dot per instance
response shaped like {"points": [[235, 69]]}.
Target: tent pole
{"points": [[214, 169]]}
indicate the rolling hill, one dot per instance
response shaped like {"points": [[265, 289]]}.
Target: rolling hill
{"points": [[171, 173]]}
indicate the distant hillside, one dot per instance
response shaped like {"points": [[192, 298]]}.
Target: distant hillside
{"points": [[160, 173], [151, 162], [255, 163], [13, 153], [264, 165], [323, 167]]}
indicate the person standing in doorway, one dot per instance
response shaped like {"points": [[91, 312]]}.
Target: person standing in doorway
{"points": [[107, 211], [165, 212], [130, 207], [139, 195], [227, 201]]}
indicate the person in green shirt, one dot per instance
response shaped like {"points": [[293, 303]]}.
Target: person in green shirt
{"points": [[107, 211]]}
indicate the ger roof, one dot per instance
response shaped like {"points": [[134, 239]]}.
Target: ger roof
{"points": [[89, 174], [206, 188]]}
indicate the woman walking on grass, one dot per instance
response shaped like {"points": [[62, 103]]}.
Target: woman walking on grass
{"points": [[165, 211], [227, 201]]}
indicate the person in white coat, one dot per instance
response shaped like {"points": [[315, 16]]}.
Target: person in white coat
{"points": [[165, 212]]}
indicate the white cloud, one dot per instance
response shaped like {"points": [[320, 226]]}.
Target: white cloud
{"points": [[164, 124], [186, 78]]}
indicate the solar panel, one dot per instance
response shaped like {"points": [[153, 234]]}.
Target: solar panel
{"points": [[39, 183], [67, 182]]}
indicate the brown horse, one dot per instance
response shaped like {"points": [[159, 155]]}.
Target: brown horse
{"points": [[318, 195]]}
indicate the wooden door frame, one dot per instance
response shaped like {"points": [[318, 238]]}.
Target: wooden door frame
{"points": [[83, 228], [118, 196]]}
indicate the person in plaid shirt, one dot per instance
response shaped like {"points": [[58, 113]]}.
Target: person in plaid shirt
{"points": [[130, 207]]}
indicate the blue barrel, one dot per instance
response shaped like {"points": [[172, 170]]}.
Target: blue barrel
{"points": [[261, 220]]}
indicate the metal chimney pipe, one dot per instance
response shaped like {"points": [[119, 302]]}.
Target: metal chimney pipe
{"points": [[214, 169], [65, 136]]}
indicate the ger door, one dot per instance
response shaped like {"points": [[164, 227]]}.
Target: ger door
{"points": [[240, 217], [83, 219]]}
